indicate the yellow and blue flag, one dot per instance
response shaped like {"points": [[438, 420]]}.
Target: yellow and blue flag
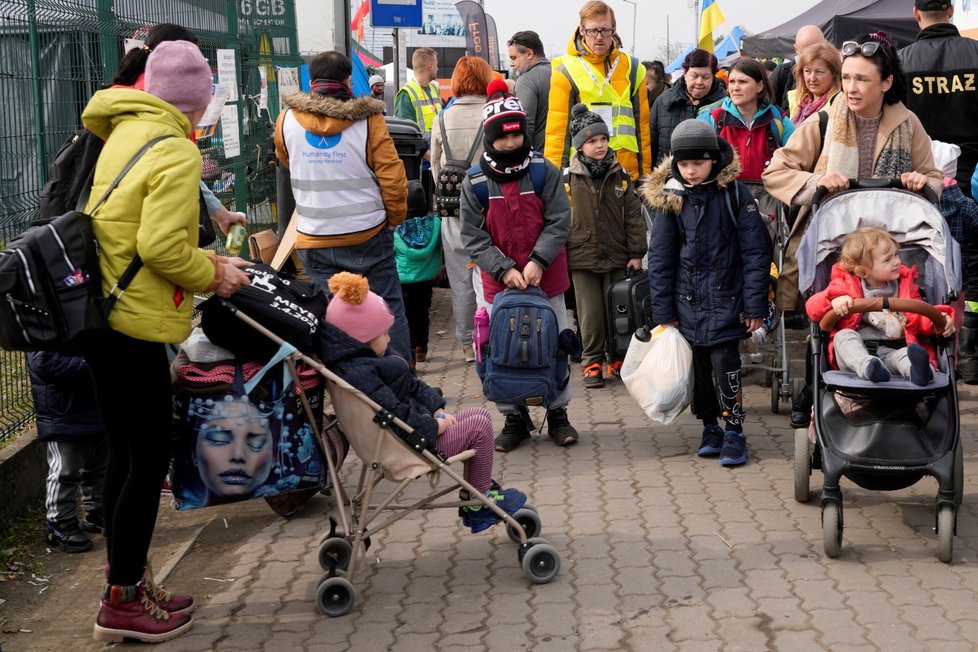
{"points": [[710, 18]]}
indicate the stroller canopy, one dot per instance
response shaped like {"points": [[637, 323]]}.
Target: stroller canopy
{"points": [[909, 218]]}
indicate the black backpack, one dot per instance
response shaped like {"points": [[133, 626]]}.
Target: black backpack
{"points": [[70, 180], [448, 185], [70, 175]]}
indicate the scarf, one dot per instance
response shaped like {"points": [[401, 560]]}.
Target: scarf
{"points": [[598, 168], [506, 166], [331, 88], [841, 151], [810, 106]]}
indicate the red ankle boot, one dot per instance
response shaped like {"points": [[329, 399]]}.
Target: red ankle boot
{"points": [[171, 602], [129, 612]]}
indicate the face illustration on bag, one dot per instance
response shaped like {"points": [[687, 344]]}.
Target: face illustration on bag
{"points": [[234, 449]]}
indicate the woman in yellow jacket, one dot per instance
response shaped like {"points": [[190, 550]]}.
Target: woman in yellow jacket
{"points": [[611, 83], [153, 213]]}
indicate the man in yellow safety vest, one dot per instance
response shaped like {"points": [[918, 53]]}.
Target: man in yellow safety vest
{"points": [[419, 100], [611, 83]]}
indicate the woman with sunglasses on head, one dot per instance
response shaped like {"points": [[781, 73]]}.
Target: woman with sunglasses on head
{"points": [[870, 135]]}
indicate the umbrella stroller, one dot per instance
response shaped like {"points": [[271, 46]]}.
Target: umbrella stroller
{"points": [[882, 436], [356, 514]]}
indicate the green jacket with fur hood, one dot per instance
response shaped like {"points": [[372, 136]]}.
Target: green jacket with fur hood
{"points": [[154, 212]]}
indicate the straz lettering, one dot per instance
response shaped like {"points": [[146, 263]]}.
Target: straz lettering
{"points": [[943, 84]]}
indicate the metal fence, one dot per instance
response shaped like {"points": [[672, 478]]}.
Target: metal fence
{"points": [[54, 54]]}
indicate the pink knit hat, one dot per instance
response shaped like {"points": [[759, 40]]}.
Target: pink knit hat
{"points": [[355, 310], [178, 73]]}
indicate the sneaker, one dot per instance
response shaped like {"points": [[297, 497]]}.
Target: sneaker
{"points": [[468, 353], [514, 432], [712, 440], [559, 428], [93, 523], [68, 540], [735, 450], [482, 518], [170, 602], [592, 376], [614, 369], [140, 619]]}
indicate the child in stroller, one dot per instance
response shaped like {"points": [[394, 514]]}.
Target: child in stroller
{"points": [[874, 344], [356, 338]]}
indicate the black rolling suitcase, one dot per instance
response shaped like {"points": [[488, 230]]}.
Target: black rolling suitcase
{"points": [[629, 307]]}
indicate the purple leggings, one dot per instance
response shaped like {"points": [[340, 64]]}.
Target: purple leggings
{"points": [[472, 429]]}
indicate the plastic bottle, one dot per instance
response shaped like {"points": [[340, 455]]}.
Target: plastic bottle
{"points": [[236, 238], [480, 335]]}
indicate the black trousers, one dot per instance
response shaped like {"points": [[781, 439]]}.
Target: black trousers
{"points": [[134, 394], [417, 306], [716, 384]]}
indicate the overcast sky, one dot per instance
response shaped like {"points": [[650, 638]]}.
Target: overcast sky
{"points": [[555, 20]]}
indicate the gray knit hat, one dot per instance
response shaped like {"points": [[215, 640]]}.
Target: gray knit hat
{"points": [[585, 125], [694, 139]]}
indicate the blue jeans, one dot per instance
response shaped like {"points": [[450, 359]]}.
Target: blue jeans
{"points": [[373, 259]]}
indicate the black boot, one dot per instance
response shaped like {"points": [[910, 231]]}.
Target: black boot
{"points": [[968, 349], [559, 428], [801, 410], [513, 434]]}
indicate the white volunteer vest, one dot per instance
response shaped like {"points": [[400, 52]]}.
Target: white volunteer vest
{"points": [[336, 192]]}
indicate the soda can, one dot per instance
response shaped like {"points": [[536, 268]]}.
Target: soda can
{"points": [[236, 238]]}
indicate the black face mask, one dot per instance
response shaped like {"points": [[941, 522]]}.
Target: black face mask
{"points": [[506, 166]]}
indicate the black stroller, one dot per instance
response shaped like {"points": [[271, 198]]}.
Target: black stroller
{"points": [[882, 436]]}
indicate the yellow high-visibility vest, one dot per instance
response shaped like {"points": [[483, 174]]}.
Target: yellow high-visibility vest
{"points": [[595, 90], [426, 106]]}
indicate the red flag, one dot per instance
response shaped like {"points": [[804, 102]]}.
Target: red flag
{"points": [[356, 25]]}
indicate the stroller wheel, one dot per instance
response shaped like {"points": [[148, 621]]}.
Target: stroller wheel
{"points": [[945, 533], [335, 553], [529, 519], [335, 597], [521, 550], [832, 529], [803, 465], [541, 563], [775, 393], [339, 572], [958, 474]]}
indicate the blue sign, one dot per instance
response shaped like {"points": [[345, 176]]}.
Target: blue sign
{"points": [[396, 13]]}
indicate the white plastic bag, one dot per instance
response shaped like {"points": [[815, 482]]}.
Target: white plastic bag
{"points": [[659, 373]]}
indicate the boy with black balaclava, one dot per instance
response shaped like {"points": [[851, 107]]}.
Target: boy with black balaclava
{"points": [[518, 238], [607, 235]]}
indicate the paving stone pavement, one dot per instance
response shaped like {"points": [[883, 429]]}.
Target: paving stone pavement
{"points": [[661, 550]]}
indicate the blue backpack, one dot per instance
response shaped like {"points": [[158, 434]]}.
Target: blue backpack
{"points": [[522, 364]]}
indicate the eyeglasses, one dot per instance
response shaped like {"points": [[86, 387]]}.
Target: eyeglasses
{"points": [[607, 31], [867, 49]]}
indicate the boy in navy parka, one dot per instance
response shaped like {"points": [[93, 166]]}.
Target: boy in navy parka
{"points": [[709, 263]]}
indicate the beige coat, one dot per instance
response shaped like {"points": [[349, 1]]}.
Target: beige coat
{"points": [[792, 165], [462, 121]]}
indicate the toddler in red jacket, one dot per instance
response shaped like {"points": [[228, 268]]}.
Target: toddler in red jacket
{"points": [[869, 266]]}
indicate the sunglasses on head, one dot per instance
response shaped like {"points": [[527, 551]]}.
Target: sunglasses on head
{"points": [[867, 49]]}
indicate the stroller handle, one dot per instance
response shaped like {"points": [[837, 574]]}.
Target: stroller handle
{"points": [[860, 184], [876, 304]]}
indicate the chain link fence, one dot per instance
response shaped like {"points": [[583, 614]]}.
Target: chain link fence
{"points": [[54, 54]]}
